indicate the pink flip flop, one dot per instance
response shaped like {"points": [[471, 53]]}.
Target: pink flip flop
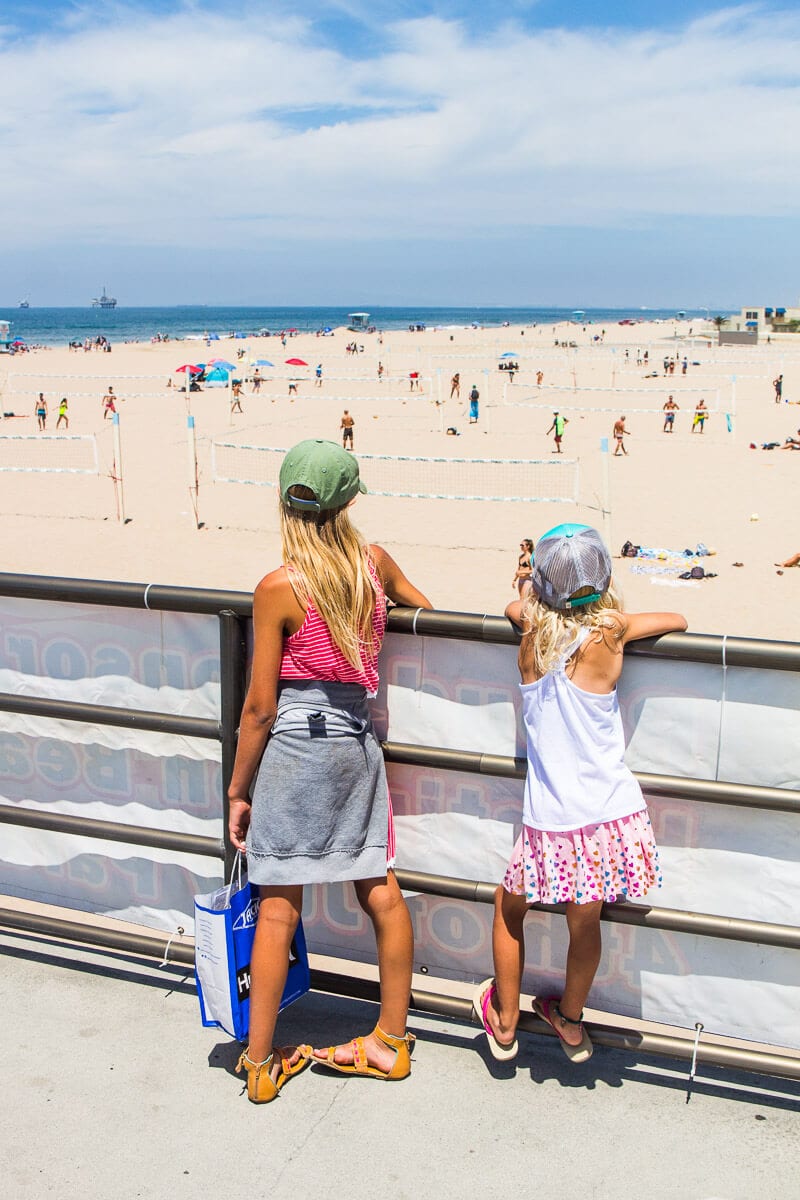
{"points": [[481, 1000], [577, 1054]]}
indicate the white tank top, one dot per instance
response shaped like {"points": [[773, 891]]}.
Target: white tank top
{"points": [[576, 773]]}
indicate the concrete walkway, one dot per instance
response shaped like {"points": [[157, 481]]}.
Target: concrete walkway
{"points": [[111, 1088]]}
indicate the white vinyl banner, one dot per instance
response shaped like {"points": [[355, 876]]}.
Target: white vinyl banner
{"points": [[684, 719], [690, 720], [162, 662]]}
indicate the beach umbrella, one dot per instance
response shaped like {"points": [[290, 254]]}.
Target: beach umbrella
{"points": [[262, 362], [213, 337], [508, 354], [240, 335], [190, 367], [220, 364], [217, 376], [296, 362]]}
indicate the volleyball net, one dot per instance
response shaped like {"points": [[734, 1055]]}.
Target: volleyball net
{"points": [[627, 400], [547, 480], [51, 453], [85, 383]]}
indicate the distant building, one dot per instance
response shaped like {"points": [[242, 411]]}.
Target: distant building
{"points": [[765, 320]]}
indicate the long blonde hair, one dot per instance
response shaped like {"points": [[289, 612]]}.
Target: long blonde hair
{"points": [[551, 631], [327, 564]]}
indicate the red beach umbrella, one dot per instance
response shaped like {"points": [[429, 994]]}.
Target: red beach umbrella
{"points": [[296, 362], [193, 370]]}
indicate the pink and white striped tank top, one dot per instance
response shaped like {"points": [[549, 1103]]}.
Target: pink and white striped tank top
{"points": [[311, 652]]}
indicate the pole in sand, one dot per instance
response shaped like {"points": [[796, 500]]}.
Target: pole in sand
{"points": [[117, 470], [194, 484], [606, 491]]}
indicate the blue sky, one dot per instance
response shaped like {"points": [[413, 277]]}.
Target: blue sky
{"points": [[523, 153]]}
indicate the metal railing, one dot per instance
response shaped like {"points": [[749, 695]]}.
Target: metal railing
{"points": [[231, 609]]}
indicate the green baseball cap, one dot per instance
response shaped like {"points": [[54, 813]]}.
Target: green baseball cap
{"points": [[327, 470]]}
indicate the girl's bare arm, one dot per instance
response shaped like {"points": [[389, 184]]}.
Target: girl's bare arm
{"points": [[644, 625], [399, 589], [272, 604]]}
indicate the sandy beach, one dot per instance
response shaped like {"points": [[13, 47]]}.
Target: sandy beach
{"points": [[670, 493]]}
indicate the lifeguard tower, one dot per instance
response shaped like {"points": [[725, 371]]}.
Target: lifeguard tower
{"points": [[5, 336], [358, 322]]}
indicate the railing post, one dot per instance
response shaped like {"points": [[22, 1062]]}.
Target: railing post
{"points": [[232, 662]]}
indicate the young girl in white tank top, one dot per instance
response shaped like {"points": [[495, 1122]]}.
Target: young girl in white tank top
{"points": [[586, 837]]}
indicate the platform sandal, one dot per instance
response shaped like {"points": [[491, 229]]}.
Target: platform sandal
{"points": [[550, 1011], [400, 1069], [261, 1087]]}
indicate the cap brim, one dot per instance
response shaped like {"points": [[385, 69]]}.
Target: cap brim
{"points": [[362, 487]]}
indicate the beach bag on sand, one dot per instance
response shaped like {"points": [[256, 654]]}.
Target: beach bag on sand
{"points": [[225, 925]]}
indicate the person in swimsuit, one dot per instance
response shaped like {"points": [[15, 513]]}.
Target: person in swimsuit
{"points": [[63, 413], [236, 396], [620, 432], [670, 408], [41, 412], [108, 403], [455, 386], [308, 798], [522, 576], [700, 414], [346, 427]]}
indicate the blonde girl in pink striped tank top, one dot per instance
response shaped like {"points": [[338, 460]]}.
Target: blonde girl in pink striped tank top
{"points": [[308, 799]]}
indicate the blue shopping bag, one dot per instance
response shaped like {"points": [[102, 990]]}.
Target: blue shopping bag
{"points": [[225, 925]]}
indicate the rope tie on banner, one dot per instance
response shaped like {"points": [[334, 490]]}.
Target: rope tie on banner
{"points": [[179, 932], [146, 590], [698, 1029], [722, 699]]}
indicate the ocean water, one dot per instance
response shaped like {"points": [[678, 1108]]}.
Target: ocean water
{"points": [[57, 326]]}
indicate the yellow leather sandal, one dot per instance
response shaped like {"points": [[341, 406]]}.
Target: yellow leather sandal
{"points": [[261, 1087], [400, 1069]]}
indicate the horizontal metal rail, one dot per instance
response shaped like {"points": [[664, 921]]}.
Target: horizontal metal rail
{"points": [[111, 831], [763, 1062], [735, 929], [688, 647], [105, 714], [154, 596], [740, 795]]}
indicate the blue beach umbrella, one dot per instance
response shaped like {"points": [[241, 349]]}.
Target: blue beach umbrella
{"points": [[217, 376], [508, 354], [221, 364], [262, 362]]}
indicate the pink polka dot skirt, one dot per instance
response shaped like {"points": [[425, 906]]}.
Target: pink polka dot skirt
{"points": [[611, 861]]}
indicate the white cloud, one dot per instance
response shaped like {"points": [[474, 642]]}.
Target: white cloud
{"points": [[184, 129]]}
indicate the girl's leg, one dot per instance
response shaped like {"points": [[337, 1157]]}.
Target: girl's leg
{"points": [[583, 959], [382, 901], [508, 949], [278, 915]]}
